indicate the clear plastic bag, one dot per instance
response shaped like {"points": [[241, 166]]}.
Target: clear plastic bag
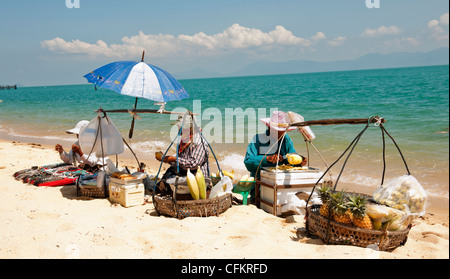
{"points": [[294, 204], [225, 185], [109, 142], [384, 217], [404, 193]]}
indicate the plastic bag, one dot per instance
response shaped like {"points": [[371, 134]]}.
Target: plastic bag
{"points": [[109, 142], [294, 204], [225, 185], [404, 193], [384, 217], [110, 167]]}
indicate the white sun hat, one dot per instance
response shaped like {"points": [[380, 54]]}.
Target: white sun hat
{"points": [[78, 127], [278, 121]]}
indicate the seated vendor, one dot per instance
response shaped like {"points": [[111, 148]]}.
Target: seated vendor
{"points": [[76, 156], [192, 153], [265, 146]]}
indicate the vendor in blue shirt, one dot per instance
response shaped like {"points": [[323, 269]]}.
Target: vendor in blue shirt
{"points": [[266, 143]]}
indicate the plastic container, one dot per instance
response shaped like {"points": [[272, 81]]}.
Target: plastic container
{"points": [[126, 195]]}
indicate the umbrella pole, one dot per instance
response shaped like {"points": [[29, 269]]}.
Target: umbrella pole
{"points": [[130, 134]]}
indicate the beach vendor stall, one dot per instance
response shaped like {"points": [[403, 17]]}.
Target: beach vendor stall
{"points": [[140, 80], [191, 155], [280, 172], [267, 149], [382, 220], [184, 192], [75, 163]]}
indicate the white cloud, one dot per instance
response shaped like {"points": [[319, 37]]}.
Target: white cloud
{"points": [[340, 40], [411, 41], [75, 46], [318, 36], [439, 28], [433, 23], [235, 37], [382, 30], [444, 19]]}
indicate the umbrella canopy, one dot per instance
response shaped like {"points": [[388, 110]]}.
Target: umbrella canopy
{"points": [[138, 79]]}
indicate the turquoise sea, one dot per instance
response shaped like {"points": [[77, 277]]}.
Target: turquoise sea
{"points": [[414, 101]]}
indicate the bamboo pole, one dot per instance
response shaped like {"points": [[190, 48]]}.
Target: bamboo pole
{"points": [[373, 119], [144, 111]]}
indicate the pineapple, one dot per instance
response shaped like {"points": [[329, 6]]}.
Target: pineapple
{"points": [[340, 210], [357, 204], [325, 195]]}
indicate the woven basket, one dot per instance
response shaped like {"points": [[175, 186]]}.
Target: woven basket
{"points": [[92, 191], [164, 205], [332, 232]]}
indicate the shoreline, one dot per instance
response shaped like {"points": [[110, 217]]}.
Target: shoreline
{"points": [[364, 167], [51, 222]]}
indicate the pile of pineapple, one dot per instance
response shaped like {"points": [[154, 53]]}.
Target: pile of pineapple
{"points": [[356, 210]]}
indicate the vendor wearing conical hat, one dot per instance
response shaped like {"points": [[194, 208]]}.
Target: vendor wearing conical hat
{"points": [[264, 148]]}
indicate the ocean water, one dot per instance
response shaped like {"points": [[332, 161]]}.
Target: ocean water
{"points": [[414, 102]]}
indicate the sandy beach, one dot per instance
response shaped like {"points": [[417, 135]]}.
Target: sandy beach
{"points": [[53, 223]]}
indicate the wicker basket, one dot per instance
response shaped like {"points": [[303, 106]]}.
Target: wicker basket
{"points": [[92, 191], [331, 232], [164, 205]]}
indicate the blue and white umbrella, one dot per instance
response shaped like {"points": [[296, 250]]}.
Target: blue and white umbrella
{"points": [[140, 80]]}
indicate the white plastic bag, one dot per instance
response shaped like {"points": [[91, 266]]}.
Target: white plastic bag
{"points": [[295, 205], [404, 193], [225, 185], [109, 141]]}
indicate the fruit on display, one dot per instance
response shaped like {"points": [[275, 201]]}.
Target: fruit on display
{"points": [[356, 210], [294, 159], [403, 193], [159, 155], [357, 205], [385, 217], [340, 209], [324, 192], [244, 178], [230, 174], [200, 179], [246, 181], [192, 184]]}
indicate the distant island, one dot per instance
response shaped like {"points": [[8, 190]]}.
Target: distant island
{"points": [[438, 56], [8, 86]]}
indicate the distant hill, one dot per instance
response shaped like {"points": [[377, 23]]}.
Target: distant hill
{"points": [[438, 56], [197, 73]]}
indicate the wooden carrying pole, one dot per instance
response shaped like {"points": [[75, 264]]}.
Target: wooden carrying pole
{"points": [[145, 111], [373, 119]]}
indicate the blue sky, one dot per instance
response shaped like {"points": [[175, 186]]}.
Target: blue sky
{"points": [[46, 43]]}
